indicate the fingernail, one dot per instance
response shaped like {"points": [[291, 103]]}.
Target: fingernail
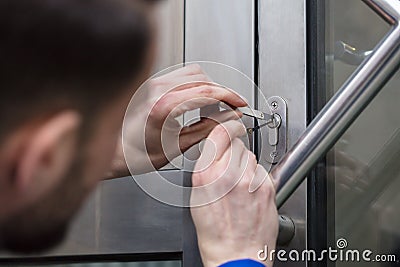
{"points": [[244, 99]]}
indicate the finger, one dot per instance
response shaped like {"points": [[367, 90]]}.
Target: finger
{"points": [[250, 164], [181, 83], [196, 81], [200, 80], [194, 133], [234, 156], [221, 137], [182, 101], [263, 186], [189, 70], [232, 169], [213, 91], [260, 177]]}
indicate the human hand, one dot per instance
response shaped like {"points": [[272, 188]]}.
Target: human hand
{"points": [[152, 135], [244, 220]]}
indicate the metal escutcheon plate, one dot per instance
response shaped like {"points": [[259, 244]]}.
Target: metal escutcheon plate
{"points": [[273, 153]]}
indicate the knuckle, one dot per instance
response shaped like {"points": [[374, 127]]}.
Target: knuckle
{"points": [[160, 106], [239, 143], [153, 82], [235, 128], [148, 104], [195, 68], [198, 179], [245, 182], [252, 157], [159, 86], [268, 189], [203, 78], [154, 111], [219, 131], [156, 84], [236, 124], [206, 91], [204, 177]]}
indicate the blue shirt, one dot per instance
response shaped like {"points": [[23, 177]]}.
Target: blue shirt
{"points": [[242, 263]]}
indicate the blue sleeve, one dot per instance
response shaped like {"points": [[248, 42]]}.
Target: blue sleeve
{"points": [[242, 263]]}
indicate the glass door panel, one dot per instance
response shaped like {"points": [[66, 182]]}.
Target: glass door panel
{"points": [[363, 168]]}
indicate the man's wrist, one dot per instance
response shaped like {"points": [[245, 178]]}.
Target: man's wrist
{"points": [[242, 263]]}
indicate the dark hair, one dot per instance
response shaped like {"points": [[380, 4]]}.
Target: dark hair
{"points": [[60, 53]]}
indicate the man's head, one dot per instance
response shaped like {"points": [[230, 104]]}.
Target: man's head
{"points": [[67, 70]]}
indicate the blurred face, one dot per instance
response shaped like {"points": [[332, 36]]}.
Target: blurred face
{"points": [[43, 224], [49, 166]]}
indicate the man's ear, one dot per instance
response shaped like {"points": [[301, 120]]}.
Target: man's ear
{"points": [[47, 154]]}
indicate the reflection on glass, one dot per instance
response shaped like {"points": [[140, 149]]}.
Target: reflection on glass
{"points": [[364, 166]]}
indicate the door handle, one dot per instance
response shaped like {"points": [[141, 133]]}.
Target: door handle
{"points": [[344, 107]]}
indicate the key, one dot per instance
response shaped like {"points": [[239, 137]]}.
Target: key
{"points": [[250, 112]]}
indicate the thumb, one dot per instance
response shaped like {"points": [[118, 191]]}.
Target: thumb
{"points": [[194, 133]]}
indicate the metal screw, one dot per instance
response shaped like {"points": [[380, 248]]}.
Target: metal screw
{"points": [[274, 154], [274, 105]]}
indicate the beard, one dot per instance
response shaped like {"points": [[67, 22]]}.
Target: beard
{"points": [[44, 224]]}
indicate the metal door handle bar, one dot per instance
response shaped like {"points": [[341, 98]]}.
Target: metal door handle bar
{"points": [[338, 114]]}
